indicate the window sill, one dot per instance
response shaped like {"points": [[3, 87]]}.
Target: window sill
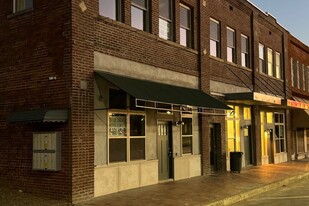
{"points": [[271, 77], [19, 13]]}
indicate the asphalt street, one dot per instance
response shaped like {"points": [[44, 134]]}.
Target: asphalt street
{"points": [[293, 194]]}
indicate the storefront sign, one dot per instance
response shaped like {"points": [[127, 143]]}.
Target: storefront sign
{"points": [[266, 98], [300, 105]]}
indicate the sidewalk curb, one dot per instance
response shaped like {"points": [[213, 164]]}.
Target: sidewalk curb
{"points": [[244, 195]]}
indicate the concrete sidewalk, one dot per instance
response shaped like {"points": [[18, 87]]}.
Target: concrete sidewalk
{"points": [[218, 189]]}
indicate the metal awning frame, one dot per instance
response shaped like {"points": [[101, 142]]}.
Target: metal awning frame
{"points": [[178, 108]]}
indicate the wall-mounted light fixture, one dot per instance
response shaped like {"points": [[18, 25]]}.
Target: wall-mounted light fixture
{"points": [[244, 127], [268, 131], [178, 123]]}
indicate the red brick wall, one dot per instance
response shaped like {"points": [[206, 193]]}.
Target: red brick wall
{"points": [[34, 47]]}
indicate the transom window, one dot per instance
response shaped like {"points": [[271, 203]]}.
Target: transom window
{"points": [[19, 5], [262, 67], [215, 38], [165, 20], [185, 26], [140, 14], [244, 51], [186, 132], [231, 55], [111, 9]]}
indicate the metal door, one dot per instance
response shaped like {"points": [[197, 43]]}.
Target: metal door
{"points": [[164, 151]]}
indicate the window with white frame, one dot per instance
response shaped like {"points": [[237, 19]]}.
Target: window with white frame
{"points": [[262, 66], [298, 74], [303, 77], [187, 135], [140, 14], [110, 8], [270, 68], [278, 66], [20, 5], [292, 73], [215, 46], [185, 26], [280, 133], [308, 82], [126, 136], [165, 20], [231, 53], [244, 51]]}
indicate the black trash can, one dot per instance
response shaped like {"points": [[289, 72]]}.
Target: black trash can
{"points": [[235, 161]]}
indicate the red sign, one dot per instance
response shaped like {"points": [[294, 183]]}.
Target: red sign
{"points": [[300, 105]]}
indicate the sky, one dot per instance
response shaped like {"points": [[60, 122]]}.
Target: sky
{"points": [[291, 14]]}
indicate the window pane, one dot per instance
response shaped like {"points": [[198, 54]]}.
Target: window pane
{"points": [[187, 126], [230, 38], [187, 145], [140, 3], [261, 51], [278, 69], [117, 150], [137, 148], [137, 125], [28, 4], [213, 48], [117, 99], [244, 44], [270, 62], [183, 37], [108, 8], [230, 54], [165, 9], [185, 17], [137, 18], [164, 29], [117, 125], [214, 30]]}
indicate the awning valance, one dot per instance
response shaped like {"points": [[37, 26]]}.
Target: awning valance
{"points": [[153, 91], [39, 116], [253, 98]]}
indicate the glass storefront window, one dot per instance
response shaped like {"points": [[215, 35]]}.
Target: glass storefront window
{"points": [[187, 136], [247, 113], [280, 133], [269, 117], [123, 145], [233, 129]]}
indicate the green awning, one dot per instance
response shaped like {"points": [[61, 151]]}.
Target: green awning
{"points": [[152, 91], [39, 116]]}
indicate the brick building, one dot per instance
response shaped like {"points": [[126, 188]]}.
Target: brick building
{"points": [[103, 96], [298, 95]]}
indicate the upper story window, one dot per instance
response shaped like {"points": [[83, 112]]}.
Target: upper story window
{"points": [[308, 86], [165, 20], [262, 67], [298, 74], [215, 38], [244, 51], [270, 62], [303, 77], [278, 67], [19, 5], [185, 26], [111, 9], [140, 14], [231, 53]]}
